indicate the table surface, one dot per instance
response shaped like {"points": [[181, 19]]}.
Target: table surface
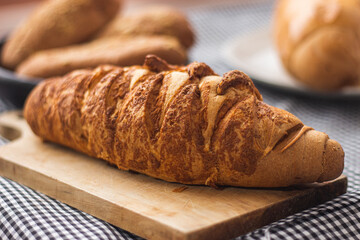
{"points": [[26, 214]]}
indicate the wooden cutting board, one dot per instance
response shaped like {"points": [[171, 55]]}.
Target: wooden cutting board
{"points": [[148, 207]]}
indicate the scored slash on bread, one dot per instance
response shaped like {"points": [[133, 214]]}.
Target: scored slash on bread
{"points": [[181, 124]]}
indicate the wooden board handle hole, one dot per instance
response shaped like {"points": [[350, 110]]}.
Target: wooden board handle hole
{"points": [[9, 133]]}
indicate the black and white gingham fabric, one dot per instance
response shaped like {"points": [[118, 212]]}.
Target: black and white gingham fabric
{"points": [[338, 219], [26, 214]]}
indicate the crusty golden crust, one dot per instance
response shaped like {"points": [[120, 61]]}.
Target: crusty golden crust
{"points": [[180, 124]]}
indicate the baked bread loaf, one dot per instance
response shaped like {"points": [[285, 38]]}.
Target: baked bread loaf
{"points": [[156, 20], [319, 41], [181, 124], [57, 23], [118, 50]]}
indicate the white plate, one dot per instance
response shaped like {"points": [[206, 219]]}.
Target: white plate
{"points": [[256, 55]]}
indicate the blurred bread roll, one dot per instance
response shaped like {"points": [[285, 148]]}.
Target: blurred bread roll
{"points": [[156, 20], [319, 41], [118, 50], [57, 23]]}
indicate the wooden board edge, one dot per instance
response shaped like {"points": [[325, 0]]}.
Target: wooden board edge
{"points": [[128, 220], [269, 214], [152, 229]]}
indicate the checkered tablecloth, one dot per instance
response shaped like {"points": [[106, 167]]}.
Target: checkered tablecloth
{"points": [[26, 214]]}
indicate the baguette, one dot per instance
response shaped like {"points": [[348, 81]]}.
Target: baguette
{"points": [[159, 20], [118, 50], [57, 23], [181, 124]]}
